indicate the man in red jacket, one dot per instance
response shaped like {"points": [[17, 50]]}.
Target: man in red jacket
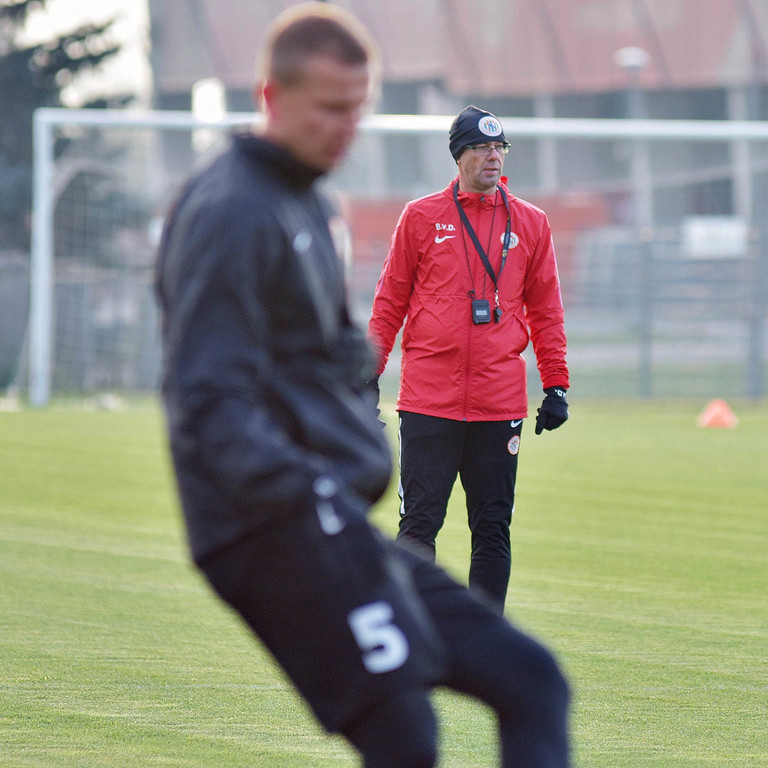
{"points": [[472, 272]]}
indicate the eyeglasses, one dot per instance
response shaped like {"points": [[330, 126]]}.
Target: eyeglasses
{"points": [[486, 149]]}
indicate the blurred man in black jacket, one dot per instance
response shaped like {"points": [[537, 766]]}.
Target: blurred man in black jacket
{"points": [[277, 449]]}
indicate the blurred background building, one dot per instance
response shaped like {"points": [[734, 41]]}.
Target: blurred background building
{"points": [[692, 59]]}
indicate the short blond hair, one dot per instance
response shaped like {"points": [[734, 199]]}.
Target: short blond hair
{"points": [[314, 29]]}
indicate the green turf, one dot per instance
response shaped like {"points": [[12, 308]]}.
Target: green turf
{"points": [[640, 555]]}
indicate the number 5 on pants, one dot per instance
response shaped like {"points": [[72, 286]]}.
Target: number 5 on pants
{"points": [[384, 646]]}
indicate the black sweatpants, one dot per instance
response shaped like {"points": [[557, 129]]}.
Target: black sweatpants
{"points": [[393, 725], [483, 454]]}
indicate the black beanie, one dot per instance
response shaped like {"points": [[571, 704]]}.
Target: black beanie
{"points": [[473, 126]]}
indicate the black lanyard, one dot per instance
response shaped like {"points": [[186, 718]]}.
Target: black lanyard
{"points": [[481, 252]]}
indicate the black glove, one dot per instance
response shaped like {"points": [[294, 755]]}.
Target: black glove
{"points": [[553, 411]]}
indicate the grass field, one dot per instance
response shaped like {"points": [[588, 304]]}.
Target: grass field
{"points": [[640, 547]]}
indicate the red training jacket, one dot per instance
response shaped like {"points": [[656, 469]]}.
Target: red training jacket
{"points": [[451, 367]]}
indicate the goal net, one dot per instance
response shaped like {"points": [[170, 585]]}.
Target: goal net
{"points": [[659, 228]]}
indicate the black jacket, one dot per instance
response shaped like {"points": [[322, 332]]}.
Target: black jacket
{"points": [[264, 372]]}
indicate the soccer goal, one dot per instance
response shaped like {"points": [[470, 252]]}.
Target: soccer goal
{"points": [[659, 228]]}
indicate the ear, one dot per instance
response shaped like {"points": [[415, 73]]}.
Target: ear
{"points": [[265, 93], [257, 95]]}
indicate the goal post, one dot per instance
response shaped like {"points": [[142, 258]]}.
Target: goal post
{"points": [[45, 120], [41, 262], [637, 209]]}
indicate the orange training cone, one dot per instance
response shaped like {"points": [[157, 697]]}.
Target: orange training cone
{"points": [[718, 414]]}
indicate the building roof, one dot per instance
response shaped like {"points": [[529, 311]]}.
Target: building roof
{"points": [[489, 47]]}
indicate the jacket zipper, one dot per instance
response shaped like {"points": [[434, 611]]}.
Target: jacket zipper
{"points": [[467, 369]]}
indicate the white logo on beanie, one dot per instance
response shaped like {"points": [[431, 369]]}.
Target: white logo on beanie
{"points": [[489, 125]]}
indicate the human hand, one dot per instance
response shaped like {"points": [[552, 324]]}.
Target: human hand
{"points": [[554, 410], [373, 394], [373, 385]]}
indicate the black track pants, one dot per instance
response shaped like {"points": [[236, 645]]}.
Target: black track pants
{"points": [[433, 452], [393, 726]]}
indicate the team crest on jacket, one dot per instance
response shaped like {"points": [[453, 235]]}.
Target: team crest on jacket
{"points": [[489, 125], [514, 240]]}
